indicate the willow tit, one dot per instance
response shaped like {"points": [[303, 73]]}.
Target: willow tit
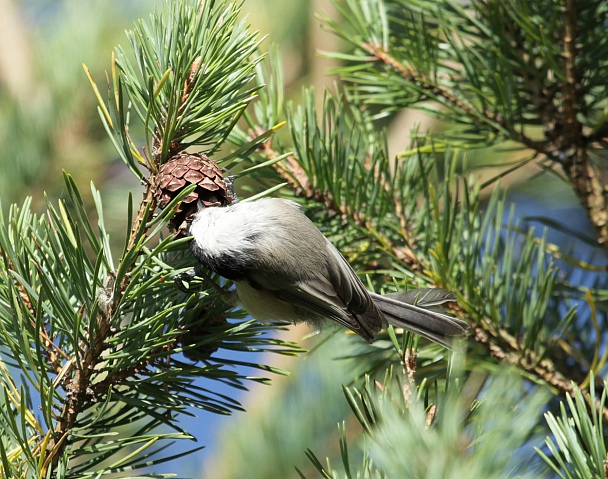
{"points": [[285, 269]]}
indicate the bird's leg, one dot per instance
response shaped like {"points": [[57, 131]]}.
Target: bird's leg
{"points": [[183, 281]]}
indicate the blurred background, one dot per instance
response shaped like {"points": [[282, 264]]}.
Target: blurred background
{"points": [[49, 123]]}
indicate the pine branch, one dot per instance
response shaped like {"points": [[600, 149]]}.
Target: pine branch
{"points": [[500, 344], [571, 97], [78, 391], [504, 348], [495, 337], [544, 79], [492, 120]]}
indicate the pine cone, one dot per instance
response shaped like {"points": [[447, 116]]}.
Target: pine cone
{"points": [[186, 169]]}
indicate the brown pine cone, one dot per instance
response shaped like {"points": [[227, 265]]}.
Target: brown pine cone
{"points": [[186, 169]]}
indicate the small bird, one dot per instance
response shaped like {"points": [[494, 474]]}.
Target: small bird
{"points": [[285, 269]]}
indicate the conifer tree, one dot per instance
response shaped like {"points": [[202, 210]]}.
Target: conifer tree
{"points": [[101, 354]]}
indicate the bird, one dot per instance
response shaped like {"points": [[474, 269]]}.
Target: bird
{"points": [[285, 269]]}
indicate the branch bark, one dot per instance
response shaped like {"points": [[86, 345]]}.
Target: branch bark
{"points": [[79, 387], [572, 143]]}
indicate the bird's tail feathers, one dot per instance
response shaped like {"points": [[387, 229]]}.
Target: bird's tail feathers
{"points": [[408, 310]]}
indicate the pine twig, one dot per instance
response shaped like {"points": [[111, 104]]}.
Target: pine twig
{"points": [[504, 348], [493, 120], [79, 387]]}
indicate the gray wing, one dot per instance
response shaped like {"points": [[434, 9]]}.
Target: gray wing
{"points": [[419, 311], [339, 295]]}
